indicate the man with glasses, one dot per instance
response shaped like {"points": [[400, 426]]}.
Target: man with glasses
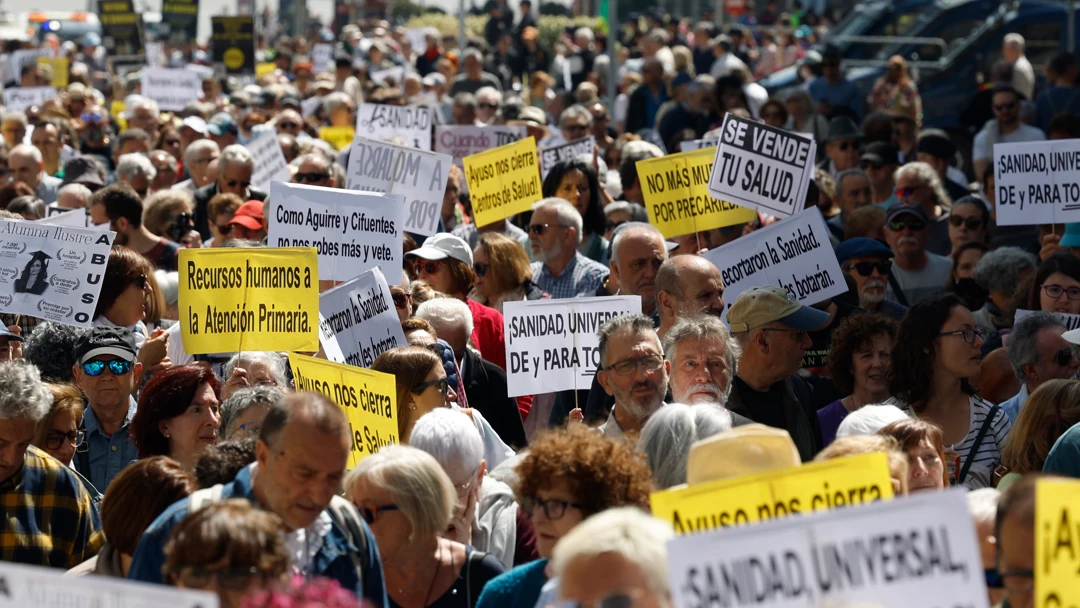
{"points": [[869, 262], [313, 169], [916, 272], [488, 102], [289, 121], [575, 123], [772, 329], [1005, 128], [918, 182], [554, 236], [1038, 352], [841, 146], [235, 167], [633, 371], [121, 207]]}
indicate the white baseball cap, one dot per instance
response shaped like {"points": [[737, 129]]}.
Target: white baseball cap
{"points": [[442, 246], [196, 124]]}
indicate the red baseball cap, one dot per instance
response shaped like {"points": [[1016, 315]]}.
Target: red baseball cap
{"points": [[249, 215]]}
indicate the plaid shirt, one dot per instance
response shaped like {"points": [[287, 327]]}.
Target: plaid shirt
{"points": [[581, 278], [48, 516]]}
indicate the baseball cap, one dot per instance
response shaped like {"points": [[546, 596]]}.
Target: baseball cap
{"points": [[758, 306], [880, 153], [249, 215], [860, 247], [290, 101], [221, 124], [442, 246], [10, 335], [195, 123], [76, 91], [906, 208], [105, 340]]}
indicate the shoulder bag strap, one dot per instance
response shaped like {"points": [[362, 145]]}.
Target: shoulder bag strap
{"points": [[983, 430], [899, 293]]}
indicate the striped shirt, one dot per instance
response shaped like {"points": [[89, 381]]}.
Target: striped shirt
{"points": [[581, 278]]}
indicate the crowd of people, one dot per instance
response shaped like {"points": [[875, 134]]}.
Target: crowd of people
{"points": [[121, 455]]}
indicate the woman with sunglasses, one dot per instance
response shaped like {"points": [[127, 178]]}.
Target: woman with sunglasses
{"points": [[937, 350], [568, 475], [219, 212], [502, 272], [422, 384], [124, 301], [1057, 285], [576, 180], [858, 362], [969, 220], [58, 434], [1051, 410], [178, 414], [408, 501]]}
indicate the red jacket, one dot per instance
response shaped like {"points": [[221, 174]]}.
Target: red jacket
{"points": [[489, 338]]}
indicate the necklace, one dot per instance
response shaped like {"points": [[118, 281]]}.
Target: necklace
{"points": [[434, 577]]}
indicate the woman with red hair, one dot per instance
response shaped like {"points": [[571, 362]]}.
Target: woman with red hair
{"points": [[178, 414]]}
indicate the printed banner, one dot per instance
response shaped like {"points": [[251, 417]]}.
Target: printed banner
{"points": [[550, 156], [339, 137], [552, 345], [676, 190], [1037, 182], [504, 181], [762, 167], [793, 253], [360, 318], [738, 501], [249, 299], [419, 176], [18, 99], [24, 585], [233, 43], [171, 88], [368, 398], [411, 123], [352, 231], [270, 165], [1057, 542], [916, 551]]}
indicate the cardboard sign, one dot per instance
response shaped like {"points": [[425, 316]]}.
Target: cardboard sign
{"points": [[739, 501], [19, 99], [460, 141], [1071, 321], [49, 588], [270, 165], [1037, 182], [121, 31], [411, 123], [368, 398], [183, 19], [233, 43], [676, 190], [339, 137], [172, 88], [762, 167], [552, 345], [352, 231], [359, 317], [914, 551], [550, 156], [249, 299], [322, 58], [504, 181], [419, 176], [793, 253], [1057, 542], [697, 144]]}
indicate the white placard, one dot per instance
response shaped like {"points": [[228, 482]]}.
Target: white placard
{"points": [[418, 39], [22, 585], [270, 165], [52, 272], [310, 105], [550, 156], [155, 54], [19, 99], [762, 167], [552, 345], [360, 320], [22, 57], [894, 554], [58, 216], [353, 231], [420, 176], [397, 73], [411, 123], [322, 58], [1037, 182], [460, 141], [793, 253], [1071, 321], [696, 144], [172, 88]]}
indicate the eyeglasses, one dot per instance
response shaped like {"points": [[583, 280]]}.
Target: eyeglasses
{"points": [[576, 128], [481, 269], [118, 367], [540, 229], [912, 224], [972, 223], [488, 106], [967, 333], [1064, 357], [400, 299], [1055, 291], [140, 281], [311, 177], [288, 125], [865, 269], [869, 164], [55, 439], [798, 334], [905, 193], [442, 384], [232, 183], [428, 266], [248, 429], [370, 514], [651, 363], [553, 509], [231, 579], [611, 226], [1004, 106]]}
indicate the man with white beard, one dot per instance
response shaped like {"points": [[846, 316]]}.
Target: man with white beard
{"points": [[633, 370], [702, 356], [916, 273], [868, 263]]}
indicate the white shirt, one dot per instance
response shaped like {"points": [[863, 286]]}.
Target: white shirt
{"points": [[725, 65], [983, 147], [1023, 79]]}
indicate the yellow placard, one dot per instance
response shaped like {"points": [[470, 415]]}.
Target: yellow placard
{"points": [[369, 399], [739, 501], [249, 299], [262, 69], [116, 110], [1057, 542], [60, 66], [339, 137], [503, 181], [676, 191]]}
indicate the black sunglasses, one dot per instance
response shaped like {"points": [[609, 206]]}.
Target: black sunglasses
{"points": [[232, 183], [288, 125], [443, 384], [400, 299], [312, 177], [1064, 357], [140, 280], [866, 269], [844, 145], [481, 269], [972, 223], [914, 224], [430, 267]]}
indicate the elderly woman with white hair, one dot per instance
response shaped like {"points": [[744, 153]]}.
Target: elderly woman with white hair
{"points": [[253, 368], [669, 434], [408, 501]]}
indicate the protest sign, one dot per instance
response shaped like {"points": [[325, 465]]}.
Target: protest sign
{"points": [[793, 253], [270, 165], [339, 137], [915, 551], [322, 58], [1057, 542], [460, 141], [550, 156], [352, 231], [504, 181], [418, 175], [738, 501], [264, 68], [22, 57], [18, 98], [676, 190], [697, 144], [249, 299], [22, 586], [171, 88], [58, 216], [762, 167], [60, 67], [52, 272], [121, 33], [1037, 182], [552, 345], [233, 43], [368, 398], [1071, 321], [411, 123], [183, 19], [360, 317]]}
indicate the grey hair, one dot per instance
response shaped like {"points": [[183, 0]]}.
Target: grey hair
{"points": [[335, 100], [999, 269], [670, 432], [246, 358], [235, 155], [145, 102], [133, 165], [51, 349], [490, 92], [637, 212], [1016, 41], [17, 116], [446, 313], [576, 111], [700, 85], [928, 176], [169, 284], [28, 205], [629, 228], [465, 100], [869, 419], [196, 148], [982, 504], [473, 53], [639, 150], [1023, 349], [78, 190], [696, 328], [244, 399], [628, 323], [846, 173], [586, 33], [451, 438], [565, 210], [22, 394]]}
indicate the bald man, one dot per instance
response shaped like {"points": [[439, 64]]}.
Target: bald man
{"points": [[28, 166]]}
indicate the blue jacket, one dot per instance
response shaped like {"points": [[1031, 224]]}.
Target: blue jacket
{"points": [[518, 587], [333, 559]]}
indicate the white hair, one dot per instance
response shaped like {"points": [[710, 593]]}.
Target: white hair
{"points": [[133, 165], [982, 504], [869, 419], [169, 285], [26, 150], [1016, 41], [247, 358], [446, 313], [585, 33], [145, 102], [669, 433], [22, 393], [79, 191], [490, 92], [565, 210], [451, 438], [196, 148], [631, 228], [235, 155]]}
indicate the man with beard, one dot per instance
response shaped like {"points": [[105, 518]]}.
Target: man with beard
{"points": [[633, 370], [554, 236], [916, 272], [120, 206], [702, 356], [868, 263]]}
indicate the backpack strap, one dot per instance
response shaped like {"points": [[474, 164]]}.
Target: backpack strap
{"points": [[983, 430]]}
